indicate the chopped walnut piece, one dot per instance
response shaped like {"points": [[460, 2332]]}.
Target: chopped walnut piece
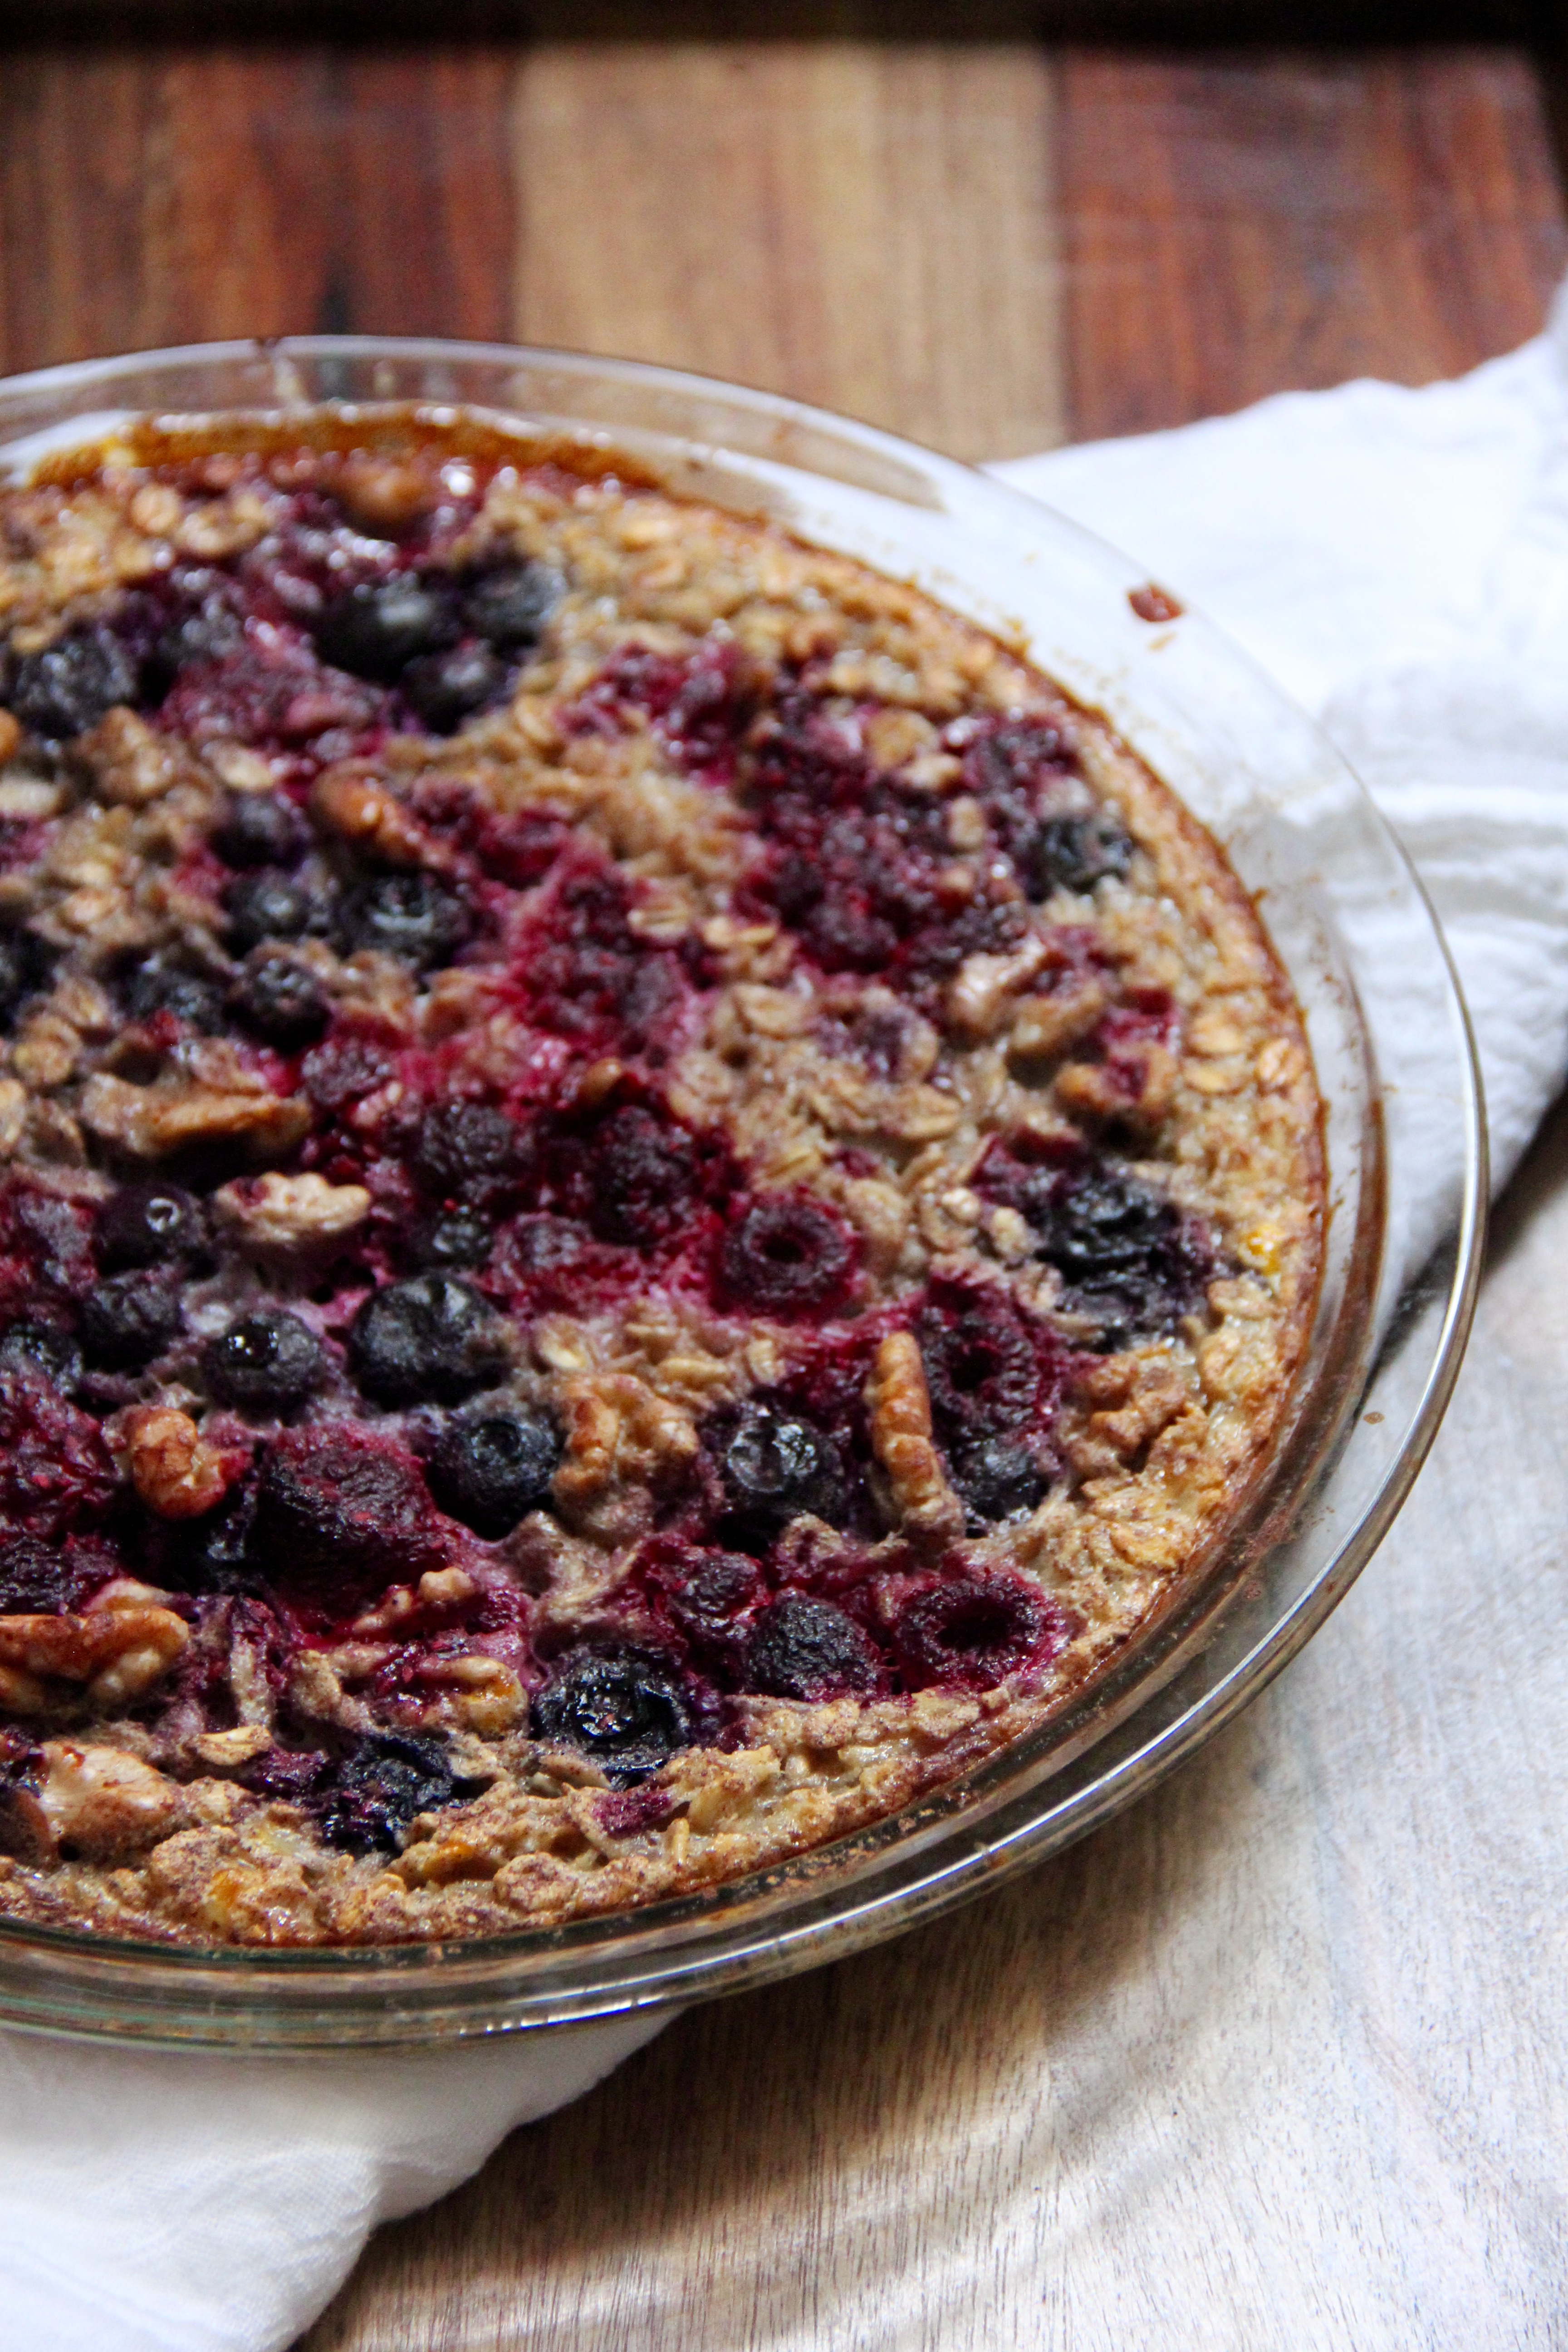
{"points": [[1137, 1396], [10, 735], [289, 1216], [351, 801], [899, 1406], [117, 1652], [129, 761], [1047, 1025], [105, 1805], [979, 994], [620, 1435], [173, 1470], [153, 1121], [1094, 1090]]}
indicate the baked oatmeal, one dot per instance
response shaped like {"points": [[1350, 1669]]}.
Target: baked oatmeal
{"points": [[650, 1195]]}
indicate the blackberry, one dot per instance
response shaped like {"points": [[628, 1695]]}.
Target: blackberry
{"points": [[333, 1505], [997, 1480], [413, 916], [189, 996], [488, 1468], [66, 690], [443, 690], [269, 905], [774, 1468], [50, 1354], [280, 1000], [624, 1707], [430, 1336], [641, 1178], [465, 1150], [131, 1319], [389, 1779], [806, 1649], [787, 1255], [259, 829], [35, 1578], [459, 1237], [267, 1362], [973, 1631], [510, 606], [149, 1224], [374, 629]]}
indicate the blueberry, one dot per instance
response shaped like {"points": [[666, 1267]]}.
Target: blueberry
{"points": [[374, 629], [787, 1255], [970, 1633], [36, 1580], [1070, 853], [414, 915], [806, 1649], [774, 1468], [40, 1349], [279, 999], [188, 996], [266, 1362], [623, 1707], [269, 905], [429, 1336], [465, 1150], [510, 606], [203, 634], [998, 1480], [149, 1224], [443, 690], [391, 1778], [258, 829], [640, 1177], [17, 971], [332, 1505], [131, 1319], [1127, 1257], [459, 1237], [488, 1468], [66, 690]]}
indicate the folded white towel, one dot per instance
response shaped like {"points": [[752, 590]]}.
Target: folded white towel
{"points": [[1399, 561]]}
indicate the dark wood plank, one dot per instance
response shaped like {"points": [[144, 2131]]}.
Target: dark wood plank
{"points": [[1235, 225]]}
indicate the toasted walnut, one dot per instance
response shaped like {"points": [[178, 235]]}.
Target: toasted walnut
{"points": [[150, 1122], [1044, 1026], [899, 1406], [10, 735], [981, 991], [226, 1751], [173, 1470], [620, 1435], [383, 493], [116, 1654], [351, 801], [289, 1216], [880, 1215], [1092, 1091], [128, 762], [13, 1116], [1137, 1397], [104, 1804]]}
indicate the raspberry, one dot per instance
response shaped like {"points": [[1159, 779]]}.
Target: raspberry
{"points": [[415, 917], [389, 1779], [131, 1318], [623, 1707], [279, 1000], [274, 696], [774, 1468], [374, 629], [785, 1254], [642, 1175], [982, 1363], [335, 1505], [488, 1468], [430, 1336], [806, 1649], [55, 1472], [66, 690], [971, 1632], [706, 1595], [35, 1578], [267, 1362], [149, 1224]]}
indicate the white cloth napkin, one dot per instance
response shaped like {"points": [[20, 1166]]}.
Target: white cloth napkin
{"points": [[1399, 561]]}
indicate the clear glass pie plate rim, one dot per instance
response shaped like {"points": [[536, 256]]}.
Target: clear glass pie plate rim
{"points": [[1406, 1147]]}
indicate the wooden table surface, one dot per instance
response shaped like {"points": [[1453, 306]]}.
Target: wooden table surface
{"points": [[1275, 2060]]}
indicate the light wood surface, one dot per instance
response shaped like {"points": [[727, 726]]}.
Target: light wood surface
{"points": [[1275, 2060]]}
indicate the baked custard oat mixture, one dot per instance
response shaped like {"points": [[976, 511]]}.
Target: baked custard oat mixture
{"points": [[648, 1195]]}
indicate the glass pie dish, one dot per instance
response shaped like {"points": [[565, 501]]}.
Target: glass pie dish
{"points": [[1404, 1145]]}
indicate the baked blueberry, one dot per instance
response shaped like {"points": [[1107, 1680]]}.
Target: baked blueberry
{"points": [[1070, 853], [259, 829], [389, 1779], [622, 1705], [488, 1468], [64, 689], [465, 1150], [415, 917], [1127, 1257], [269, 905], [431, 1337], [189, 996], [373, 630], [269, 1361], [35, 1578], [149, 1224], [807, 1649], [131, 1318], [280, 1000], [443, 690], [998, 1479], [510, 605], [774, 1468], [457, 1238], [42, 1349]]}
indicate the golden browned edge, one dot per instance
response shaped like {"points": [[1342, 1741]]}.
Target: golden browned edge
{"points": [[1158, 819]]}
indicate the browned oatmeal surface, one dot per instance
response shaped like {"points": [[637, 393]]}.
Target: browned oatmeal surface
{"points": [[649, 1195]]}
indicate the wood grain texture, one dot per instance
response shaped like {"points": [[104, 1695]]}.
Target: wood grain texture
{"points": [[866, 227], [1235, 224]]}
